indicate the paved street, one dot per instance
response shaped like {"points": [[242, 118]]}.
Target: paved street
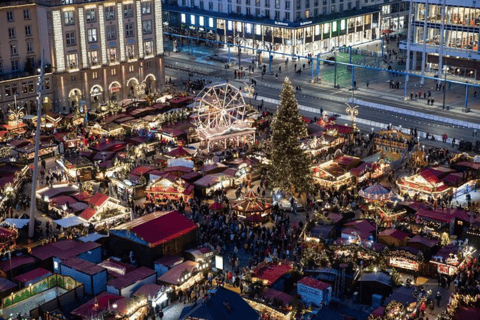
{"points": [[182, 66]]}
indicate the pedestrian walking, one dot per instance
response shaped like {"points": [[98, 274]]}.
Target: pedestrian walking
{"points": [[368, 83], [276, 76], [439, 298]]}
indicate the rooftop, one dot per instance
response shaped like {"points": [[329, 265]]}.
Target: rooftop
{"points": [[32, 275], [63, 249], [83, 266], [131, 277], [155, 228]]}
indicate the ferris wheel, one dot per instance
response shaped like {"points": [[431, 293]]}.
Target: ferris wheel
{"points": [[219, 105]]}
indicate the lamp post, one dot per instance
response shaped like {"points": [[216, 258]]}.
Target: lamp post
{"points": [[249, 92], [352, 112], [445, 69]]}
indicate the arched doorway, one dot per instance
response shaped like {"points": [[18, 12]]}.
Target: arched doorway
{"points": [[115, 91], [150, 83], [74, 98], [131, 83], [96, 94]]}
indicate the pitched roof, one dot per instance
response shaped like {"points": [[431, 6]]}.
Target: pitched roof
{"points": [[131, 277], [426, 242], [362, 225], [88, 213], [98, 199], [15, 262], [83, 266], [173, 275], [434, 215], [103, 300], [394, 233], [155, 228], [116, 268], [429, 176], [273, 271], [378, 277], [32, 275], [169, 261], [63, 249], [6, 284], [313, 283], [221, 305]]}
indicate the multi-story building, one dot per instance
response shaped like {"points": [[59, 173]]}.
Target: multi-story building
{"points": [[95, 51], [20, 52], [395, 17], [445, 33], [288, 26]]}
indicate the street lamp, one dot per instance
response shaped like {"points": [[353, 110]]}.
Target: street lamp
{"points": [[352, 112], [249, 92], [445, 69]]}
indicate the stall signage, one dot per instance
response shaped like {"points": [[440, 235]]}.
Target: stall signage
{"points": [[281, 23], [305, 23], [310, 294], [404, 263]]}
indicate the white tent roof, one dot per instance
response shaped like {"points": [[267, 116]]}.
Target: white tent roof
{"points": [[70, 222]]}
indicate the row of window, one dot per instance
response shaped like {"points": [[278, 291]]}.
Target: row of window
{"points": [[277, 14], [15, 66], [12, 34], [112, 55], [91, 14], [11, 15], [26, 87], [110, 31], [14, 48]]}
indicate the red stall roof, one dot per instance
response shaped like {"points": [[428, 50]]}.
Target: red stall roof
{"points": [[103, 300], [32, 275], [273, 271], [312, 283], [155, 230], [131, 277], [63, 249]]}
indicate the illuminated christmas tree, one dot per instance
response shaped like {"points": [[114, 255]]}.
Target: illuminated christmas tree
{"points": [[290, 168]]}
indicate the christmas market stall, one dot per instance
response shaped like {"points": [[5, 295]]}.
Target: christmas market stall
{"points": [[77, 168], [11, 181], [69, 140], [271, 273], [252, 207], [212, 182], [26, 154], [8, 237], [182, 276], [392, 144], [105, 211], [153, 235], [405, 259], [335, 173], [374, 284], [169, 187], [424, 185], [314, 292], [450, 258]]}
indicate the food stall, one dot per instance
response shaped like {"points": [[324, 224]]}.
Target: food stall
{"points": [[27, 153], [182, 276]]}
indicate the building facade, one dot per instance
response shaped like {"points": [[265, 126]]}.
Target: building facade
{"points": [[445, 33], [287, 26], [395, 17], [95, 51], [20, 54]]}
